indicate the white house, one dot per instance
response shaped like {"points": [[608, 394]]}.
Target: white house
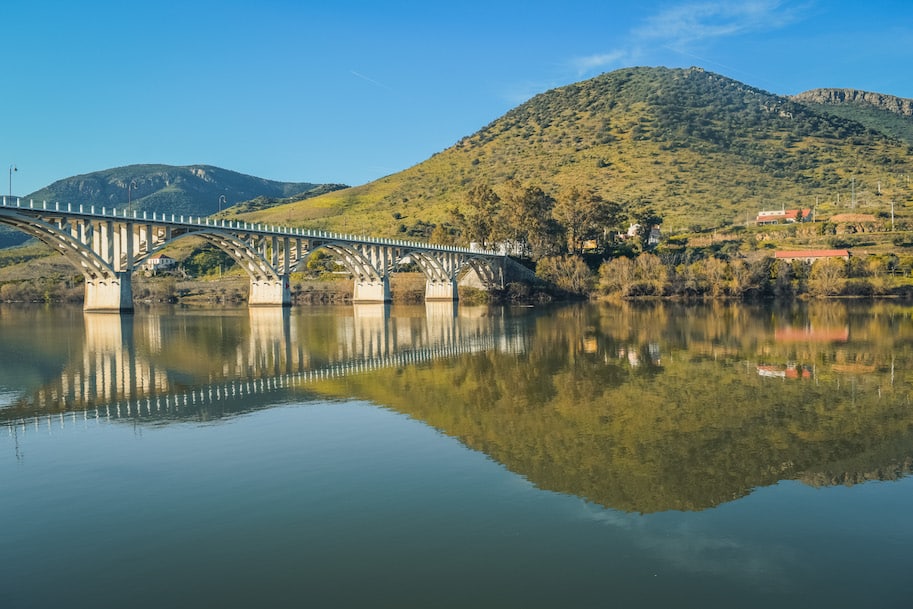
{"points": [[159, 262], [653, 239]]}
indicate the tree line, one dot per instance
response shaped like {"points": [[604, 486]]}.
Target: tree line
{"points": [[571, 240], [533, 224], [649, 275]]}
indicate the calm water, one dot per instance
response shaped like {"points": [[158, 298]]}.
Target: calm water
{"points": [[408, 457]]}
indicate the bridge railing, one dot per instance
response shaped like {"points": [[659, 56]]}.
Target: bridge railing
{"points": [[247, 227]]}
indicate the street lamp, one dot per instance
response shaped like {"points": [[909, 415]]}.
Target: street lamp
{"points": [[130, 186], [12, 169], [222, 199]]}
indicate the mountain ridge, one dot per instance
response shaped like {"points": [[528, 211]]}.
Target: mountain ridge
{"points": [[190, 189]]}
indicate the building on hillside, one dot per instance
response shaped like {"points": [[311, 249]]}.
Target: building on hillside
{"points": [[502, 248], [781, 216], [810, 256], [654, 238], [159, 262]]}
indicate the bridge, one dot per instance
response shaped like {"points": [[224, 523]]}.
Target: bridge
{"points": [[108, 245]]}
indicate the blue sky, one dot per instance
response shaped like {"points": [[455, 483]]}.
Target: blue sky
{"points": [[350, 91]]}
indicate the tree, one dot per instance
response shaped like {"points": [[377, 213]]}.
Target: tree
{"points": [[616, 275], [584, 215], [646, 275], [526, 220], [827, 277], [570, 273], [651, 273], [481, 211], [715, 274], [443, 234]]}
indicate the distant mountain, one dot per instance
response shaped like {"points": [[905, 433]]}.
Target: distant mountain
{"points": [[191, 190], [703, 149], [194, 190], [885, 113]]}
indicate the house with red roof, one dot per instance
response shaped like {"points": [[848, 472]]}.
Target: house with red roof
{"points": [[159, 262], [781, 216]]}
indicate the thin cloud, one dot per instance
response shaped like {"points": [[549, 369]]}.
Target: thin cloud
{"points": [[686, 25], [600, 61]]}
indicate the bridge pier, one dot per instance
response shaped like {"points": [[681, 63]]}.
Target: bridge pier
{"points": [[270, 292], [112, 294], [372, 290], [441, 290]]}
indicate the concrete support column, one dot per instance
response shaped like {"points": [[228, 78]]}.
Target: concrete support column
{"points": [[441, 290], [109, 295], [270, 292], [372, 290]]}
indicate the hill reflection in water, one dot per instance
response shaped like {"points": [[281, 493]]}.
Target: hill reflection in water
{"points": [[668, 407], [637, 408]]}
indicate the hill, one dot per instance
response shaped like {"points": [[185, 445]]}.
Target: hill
{"points": [[195, 190], [703, 150]]}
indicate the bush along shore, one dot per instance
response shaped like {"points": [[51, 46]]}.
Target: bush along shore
{"points": [[651, 276]]}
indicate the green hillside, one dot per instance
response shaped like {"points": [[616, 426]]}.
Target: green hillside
{"points": [[703, 150]]}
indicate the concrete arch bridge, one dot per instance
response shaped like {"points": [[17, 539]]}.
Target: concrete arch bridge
{"points": [[107, 246]]}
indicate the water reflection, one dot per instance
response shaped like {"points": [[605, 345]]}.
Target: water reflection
{"points": [[156, 363], [638, 408], [668, 407]]}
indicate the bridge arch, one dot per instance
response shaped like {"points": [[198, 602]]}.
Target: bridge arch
{"points": [[443, 272], [107, 287], [370, 267], [85, 260]]}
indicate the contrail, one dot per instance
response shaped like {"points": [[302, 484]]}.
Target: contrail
{"points": [[370, 80]]}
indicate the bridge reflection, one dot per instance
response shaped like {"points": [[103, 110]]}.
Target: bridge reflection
{"points": [[172, 365]]}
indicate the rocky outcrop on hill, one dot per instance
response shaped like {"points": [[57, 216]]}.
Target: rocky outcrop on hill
{"points": [[897, 105]]}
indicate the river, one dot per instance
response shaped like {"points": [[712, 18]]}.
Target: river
{"points": [[374, 456]]}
